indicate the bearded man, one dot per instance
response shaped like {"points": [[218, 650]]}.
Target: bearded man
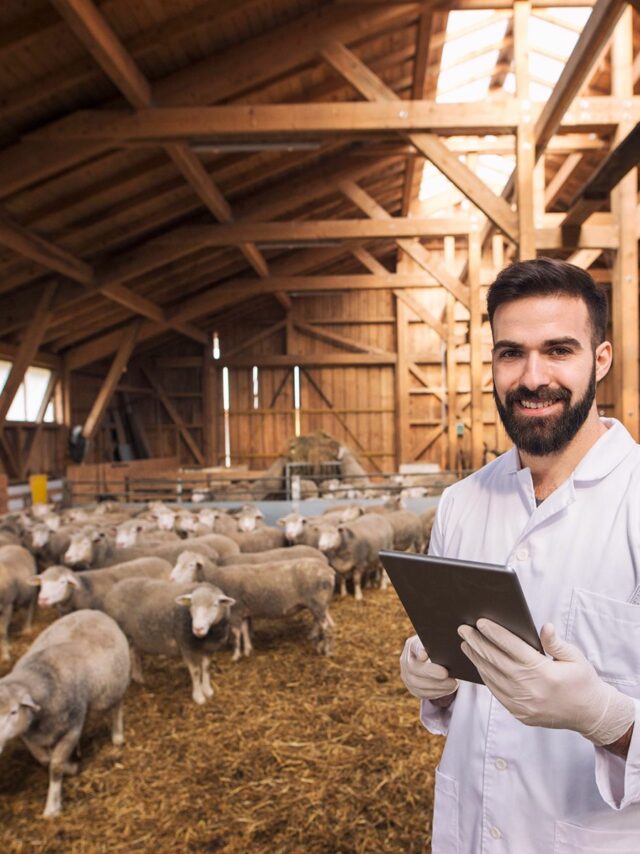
{"points": [[545, 756]]}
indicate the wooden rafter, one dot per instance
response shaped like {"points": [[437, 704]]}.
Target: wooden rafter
{"points": [[27, 350], [100, 404], [342, 341], [433, 148], [173, 413]]}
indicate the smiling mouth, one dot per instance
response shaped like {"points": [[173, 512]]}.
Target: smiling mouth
{"points": [[540, 406]]}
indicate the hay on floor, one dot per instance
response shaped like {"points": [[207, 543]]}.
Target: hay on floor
{"points": [[295, 752]]}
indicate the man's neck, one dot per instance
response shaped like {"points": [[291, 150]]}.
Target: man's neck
{"points": [[549, 471]]}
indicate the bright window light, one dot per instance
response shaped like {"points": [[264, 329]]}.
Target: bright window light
{"points": [[216, 346], [30, 395], [255, 387], [225, 389], [296, 398], [225, 406]]}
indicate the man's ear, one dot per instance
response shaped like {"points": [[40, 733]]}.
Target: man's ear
{"points": [[604, 357]]}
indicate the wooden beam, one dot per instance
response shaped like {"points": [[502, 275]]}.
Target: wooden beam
{"points": [[525, 142], [254, 339], [338, 340], [33, 437], [621, 159], [30, 245], [593, 37], [475, 338], [419, 253], [270, 360], [27, 350], [433, 148], [452, 438], [96, 414], [555, 185], [401, 386], [368, 260], [422, 312], [624, 292], [210, 407], [173, 413], [214, 79]]}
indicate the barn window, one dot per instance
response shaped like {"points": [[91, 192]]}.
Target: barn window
{"points": [[255, 385], [216, 346], [30, 395], [225, 405], [296, 398]]}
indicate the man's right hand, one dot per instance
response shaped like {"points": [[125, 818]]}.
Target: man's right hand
{"points": [[424, 679]]}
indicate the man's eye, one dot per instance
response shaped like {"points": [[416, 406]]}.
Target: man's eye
{"points": [[560, 351], [509, 354]]}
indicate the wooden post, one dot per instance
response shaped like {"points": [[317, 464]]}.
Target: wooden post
{"points": [[475, 340], [625, 314], [452, 437], [27, 350], [118, 365], [402, 384], [525, 139], [210, 405]]}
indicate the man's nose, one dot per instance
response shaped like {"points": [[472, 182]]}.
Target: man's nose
{"points": [[535, 372]]}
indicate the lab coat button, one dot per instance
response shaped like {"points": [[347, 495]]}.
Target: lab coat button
{"points": [[522, 554], [500, 764], [495, 832]]}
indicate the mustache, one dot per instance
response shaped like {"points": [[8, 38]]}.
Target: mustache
{"points": [[548, 395]]}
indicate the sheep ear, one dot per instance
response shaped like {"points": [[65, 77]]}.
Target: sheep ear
{"points": [[30, 703], [281, 522], [200, 563], [226, 600], [72, 578], [35, 581], [303, 521], [260, 514], [184, 600]]}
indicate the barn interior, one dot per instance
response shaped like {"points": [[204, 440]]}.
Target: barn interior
{"points": [[233, 233]]}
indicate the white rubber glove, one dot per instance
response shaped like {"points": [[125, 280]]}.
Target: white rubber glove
{"points": [[562, 692], [424, 679]]}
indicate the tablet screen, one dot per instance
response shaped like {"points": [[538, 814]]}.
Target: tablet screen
{"points": [[440, 594]]}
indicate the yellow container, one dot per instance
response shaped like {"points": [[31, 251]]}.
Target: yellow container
{"points": [[38, 486]]}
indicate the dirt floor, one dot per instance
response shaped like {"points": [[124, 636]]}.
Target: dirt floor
{"points": [[294, 753]]}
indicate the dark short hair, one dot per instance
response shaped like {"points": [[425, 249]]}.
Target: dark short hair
{"points": [[548, 277]]}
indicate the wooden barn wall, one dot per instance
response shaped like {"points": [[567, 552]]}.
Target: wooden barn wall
{"points": [[45, 450]]}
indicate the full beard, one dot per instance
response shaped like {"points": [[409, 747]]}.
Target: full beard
{"points": [[545, 434]]}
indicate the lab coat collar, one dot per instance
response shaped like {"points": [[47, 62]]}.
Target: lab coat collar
{"points": [[601, 459]]}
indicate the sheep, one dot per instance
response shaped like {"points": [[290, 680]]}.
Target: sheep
{"points": [[224, 546], [427, 518], [287, 553], [407, 528], [219, 521], [142, 532], [352, 548], [250, 518], [162, 618], [92, 548], [73, 591], [298, 530], [259, 540], [17, 566], [270, 590], [78, 665]]}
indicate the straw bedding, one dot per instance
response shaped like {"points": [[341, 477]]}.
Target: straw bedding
{"points": [[294, 753]]}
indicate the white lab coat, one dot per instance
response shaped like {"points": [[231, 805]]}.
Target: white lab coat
{"points": [[502, 786]]}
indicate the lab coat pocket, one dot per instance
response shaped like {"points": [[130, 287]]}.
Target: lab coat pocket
{"points": [[571, 839], [444, 837], [607, 631]]}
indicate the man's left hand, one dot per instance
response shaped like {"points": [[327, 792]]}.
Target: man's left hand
{"points": [[561, 692]]}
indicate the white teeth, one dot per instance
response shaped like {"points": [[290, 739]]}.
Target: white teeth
{"points": [[528, 404]]}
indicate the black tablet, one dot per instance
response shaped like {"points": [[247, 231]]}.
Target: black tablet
{"points": [[439, 594]]}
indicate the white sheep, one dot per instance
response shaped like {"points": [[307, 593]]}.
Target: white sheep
{"points": [[17, 567], [78, 665], [162, 618]]}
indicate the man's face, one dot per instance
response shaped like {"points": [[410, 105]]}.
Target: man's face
{"points": [[545, 370]]}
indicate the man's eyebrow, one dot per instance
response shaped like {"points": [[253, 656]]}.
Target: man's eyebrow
{"points": [[567, 340]]}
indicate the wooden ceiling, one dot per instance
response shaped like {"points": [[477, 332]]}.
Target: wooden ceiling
{"points": [[152, 222]]}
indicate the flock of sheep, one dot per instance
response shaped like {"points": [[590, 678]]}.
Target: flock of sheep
{"points": [[162, 581]]}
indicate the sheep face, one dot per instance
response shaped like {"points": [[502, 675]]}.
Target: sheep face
{"points": [[293, 526], [248, 518], [55, 585], [207, 605], [166, 520], [79, 551], [185, 522], [330, 538], [52, 521], [40, 536], [17, 709], [187, 567], [207, 517]]}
